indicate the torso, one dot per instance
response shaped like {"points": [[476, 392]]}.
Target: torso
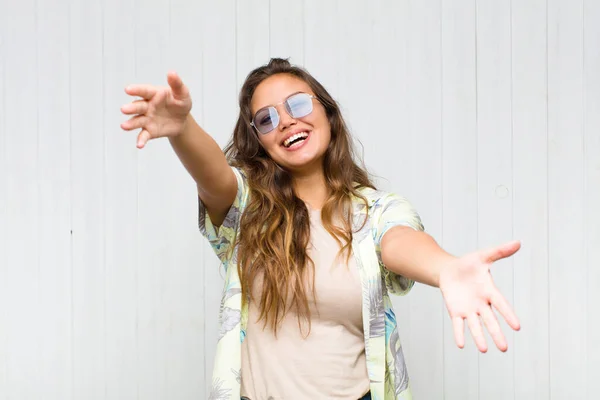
{"points": [[328, 363]]}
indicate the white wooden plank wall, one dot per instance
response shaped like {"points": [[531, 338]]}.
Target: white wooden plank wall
{"points": [[459, 175], [486, 114], [530, 199]]}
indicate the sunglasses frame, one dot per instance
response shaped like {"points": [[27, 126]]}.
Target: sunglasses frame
{"points": [[274, 106]]}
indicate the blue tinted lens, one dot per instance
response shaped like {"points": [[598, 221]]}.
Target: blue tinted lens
{"points": [[299, 105], [266, 120]]}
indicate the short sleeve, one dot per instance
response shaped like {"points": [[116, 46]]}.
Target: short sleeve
{"points": [[223, 238], [394, 211]]}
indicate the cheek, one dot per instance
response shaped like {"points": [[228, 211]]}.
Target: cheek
{"points": [[320, 121], [325, 128], [268, 142]]}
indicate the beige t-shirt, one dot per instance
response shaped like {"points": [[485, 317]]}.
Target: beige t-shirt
{"points": [[328, 364]]}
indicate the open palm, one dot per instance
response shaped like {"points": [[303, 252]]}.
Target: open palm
{"points": [[161, 111], [469, 293]]}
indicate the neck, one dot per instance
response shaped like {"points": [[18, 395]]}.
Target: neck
{"points": [[311, 188]]}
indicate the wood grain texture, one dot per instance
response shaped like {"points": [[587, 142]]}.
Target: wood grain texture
{"points": [[494, 177], [485, 115], [460, 194], [4, 321], [22, 336], [88, 161], [591, 149], [530, 198], [287, 30], [566, 200], [120, 180], [54, 143]]}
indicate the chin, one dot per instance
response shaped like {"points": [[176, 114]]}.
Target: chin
{"points": [[304, 163]]}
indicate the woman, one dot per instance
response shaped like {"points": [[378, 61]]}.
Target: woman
{"points": [[311, 249]]}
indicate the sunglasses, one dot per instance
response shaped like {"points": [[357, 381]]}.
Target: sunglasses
{"points": [[297, 105]]}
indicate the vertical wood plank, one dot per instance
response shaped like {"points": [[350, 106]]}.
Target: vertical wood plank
{"points": [[530, 198], [377, 96], [21, 122], [4, 321], [252, 36], [185, 367], [87, 176], [353, 92], [566, 193], [591, 102], [55, 365], [120, 204], [287, 30], [219, 115], [321, 31], [425, 354], [459, 155], [155, 163], [494, 178]]}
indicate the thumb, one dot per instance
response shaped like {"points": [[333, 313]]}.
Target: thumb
{"points": [[180, 90], [502, 251]]}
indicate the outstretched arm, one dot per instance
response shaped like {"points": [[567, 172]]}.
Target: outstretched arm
{"points": [[164, 111], [465, 282]]}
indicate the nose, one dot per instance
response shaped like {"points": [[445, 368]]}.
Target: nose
{"points": [[285, 119]]}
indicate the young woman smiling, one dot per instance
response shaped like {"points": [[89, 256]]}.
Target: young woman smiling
{"points": [[310, 247]]}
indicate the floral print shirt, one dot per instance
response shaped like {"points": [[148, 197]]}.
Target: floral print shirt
{"points": [[385, 360]]}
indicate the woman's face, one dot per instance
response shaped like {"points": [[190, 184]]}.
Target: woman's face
{"points": [[296, 144]]}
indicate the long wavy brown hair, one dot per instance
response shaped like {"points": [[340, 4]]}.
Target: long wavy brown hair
{"points": [[275, 225]]}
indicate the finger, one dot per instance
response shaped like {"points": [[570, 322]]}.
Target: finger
{"points": [[459, 331], [491, 323], [502, 251], [136, 107], [180, 90], [499, 303], [477, 332], [143, 138], [135, 123], [143, 91]]}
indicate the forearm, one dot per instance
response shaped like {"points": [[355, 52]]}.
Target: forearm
{"points": [[204, 160], [414, 254]]}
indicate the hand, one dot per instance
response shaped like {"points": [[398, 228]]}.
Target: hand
{"points": [[161, 111], [470, 293]]}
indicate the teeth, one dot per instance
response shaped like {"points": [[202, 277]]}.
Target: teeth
{"points": [[294, 137]]}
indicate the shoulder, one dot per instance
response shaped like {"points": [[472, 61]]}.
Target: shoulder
{"points": [[376, 198], [388, 207]]}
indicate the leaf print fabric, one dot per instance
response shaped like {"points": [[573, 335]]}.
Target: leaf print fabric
{"points": [[392, 210], [218, 391], [223, 238], [228, 320], [385, 360]]}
